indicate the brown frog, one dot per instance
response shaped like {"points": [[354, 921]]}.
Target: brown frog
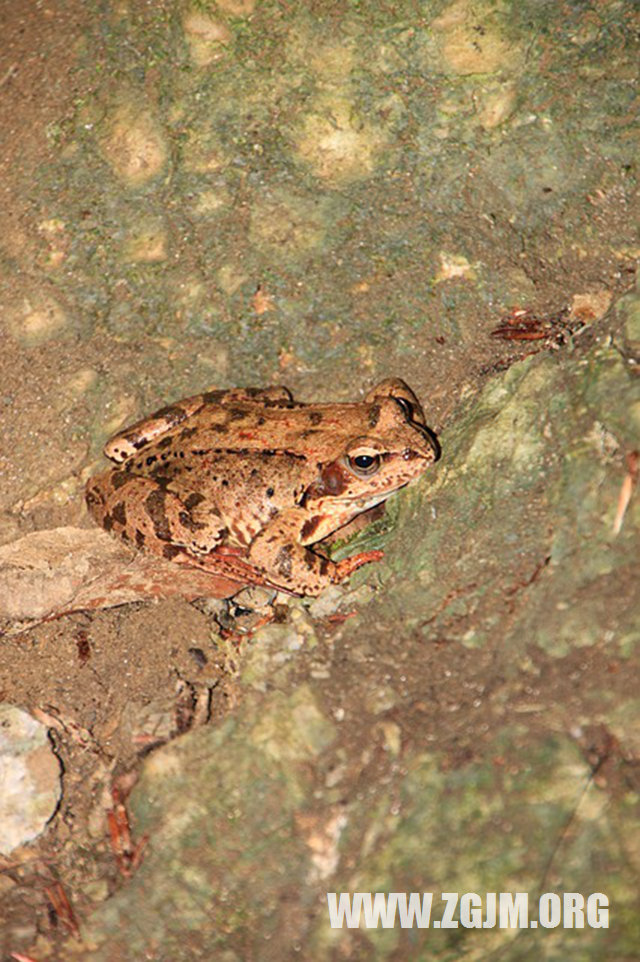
{"points": [[242, 482]]}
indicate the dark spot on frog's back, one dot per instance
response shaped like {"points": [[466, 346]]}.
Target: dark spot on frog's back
{"points": [[169, 551], [374, 415], [140, 539], [193, 500], [94, 497], [190, 522], [315, 417], [269, 402], [118, 479], [173, 414], [119, 514], [155, 505], [213, 397]]}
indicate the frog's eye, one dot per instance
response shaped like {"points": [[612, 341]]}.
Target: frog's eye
{"points": [[405, 405], [364, 465]]}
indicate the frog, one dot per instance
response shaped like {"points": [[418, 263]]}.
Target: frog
{"points": [[243, 482]]}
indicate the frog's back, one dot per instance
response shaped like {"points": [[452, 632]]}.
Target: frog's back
{"points": [[311, 432]]}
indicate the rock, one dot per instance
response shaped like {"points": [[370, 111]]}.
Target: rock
{"points": [[535, 465], [472, 40], [239, 776], [30, 778], [453, 266], [337, 144], [496, 106], [39, 318], [206, 37], [590, 306], [133, 143], [147, 243], [78, 384], [50, 573]]}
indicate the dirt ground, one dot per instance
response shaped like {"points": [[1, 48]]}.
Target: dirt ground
{"points": [[115, 684]]}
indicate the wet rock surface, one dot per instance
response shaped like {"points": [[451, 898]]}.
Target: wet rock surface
{"points": [[224, 194]]}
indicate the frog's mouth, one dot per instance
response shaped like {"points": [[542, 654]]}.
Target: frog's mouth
{"points": [[364, 504]]}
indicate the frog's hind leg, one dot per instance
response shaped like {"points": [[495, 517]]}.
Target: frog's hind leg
{"points": [[137, 436], [143, 513]]}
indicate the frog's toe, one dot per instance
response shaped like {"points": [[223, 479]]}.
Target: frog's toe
{"points": [[199, 548], [349, 565]]}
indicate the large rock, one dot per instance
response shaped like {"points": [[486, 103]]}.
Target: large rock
{"points": [[511, 559]]}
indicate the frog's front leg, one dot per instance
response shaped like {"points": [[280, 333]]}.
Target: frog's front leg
{"points": [[278, 554], [144, 513]]}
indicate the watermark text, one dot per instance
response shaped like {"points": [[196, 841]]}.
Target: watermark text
{"points": [[450, 910]]}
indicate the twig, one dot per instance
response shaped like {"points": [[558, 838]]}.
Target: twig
{"points": [[626, 490], [11, 72]]}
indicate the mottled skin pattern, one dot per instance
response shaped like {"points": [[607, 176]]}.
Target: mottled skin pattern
{"points": [[242, 482]]}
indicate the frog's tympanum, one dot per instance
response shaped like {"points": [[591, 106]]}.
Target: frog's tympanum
{"points": [[246, 480]]}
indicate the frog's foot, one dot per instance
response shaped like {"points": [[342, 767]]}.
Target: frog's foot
{"points": [[297, 569], [291, 566], [225, 565], [345, 568]]}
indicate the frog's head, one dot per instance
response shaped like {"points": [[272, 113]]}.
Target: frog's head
{"points": [[394, 449]]}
